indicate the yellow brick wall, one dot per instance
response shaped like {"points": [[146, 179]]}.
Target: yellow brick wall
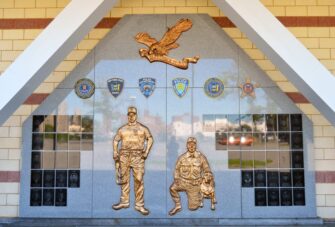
{"points": [[320, 41]]}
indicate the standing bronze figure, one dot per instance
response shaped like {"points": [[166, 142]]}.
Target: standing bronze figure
{"points": [[135, 142], [193, 176]]}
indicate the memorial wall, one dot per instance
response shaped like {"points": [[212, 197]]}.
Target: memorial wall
{"points": [[167, 123]]}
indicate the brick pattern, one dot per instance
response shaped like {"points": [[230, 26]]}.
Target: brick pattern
{"points": [[311, 21], [9, 176]]}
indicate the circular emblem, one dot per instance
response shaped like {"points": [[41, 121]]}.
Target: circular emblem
{"points": [[214, 87], [248, 88], [84, 88]]}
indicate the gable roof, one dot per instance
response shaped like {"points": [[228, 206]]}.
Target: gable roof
{"points": [[250, 16]]}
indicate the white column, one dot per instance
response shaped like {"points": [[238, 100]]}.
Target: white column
{"points": [[291, 57], [44, 54]]}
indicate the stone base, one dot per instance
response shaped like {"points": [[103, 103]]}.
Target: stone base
{"points": [[50, 222]]}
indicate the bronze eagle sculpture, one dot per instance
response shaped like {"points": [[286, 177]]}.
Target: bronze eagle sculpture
{"points": [[158, 50]]}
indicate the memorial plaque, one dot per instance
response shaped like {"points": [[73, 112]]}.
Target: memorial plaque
{"points": [[48, 197], [36, 160], [74, 123], [49, 123], [259, 123], [62, 141], [234, 123], [259, 159], [296, 140], [247, 178], [246, 123], [87, 123], [284, 141], [296, 122], [283, 122], [246, 141], [247, 160], [272, 159], [284, 159], [48, 178], [272, 178], [260, 197], [286, 197], [37, 141], [221, 123], [61, 160], [285, 179], [258, 141], [271, 122], [62, 123], [38, 123], [297, 159], [49, 141], [234, 141], [48, 160], [35, 197], [61, 197], [74, 142], [271, 141], [61, 178], [221, 139], [273, 197], [299, 197], [298, 178], [260, 178], [36, 178], [234, 161], [74, 178]]}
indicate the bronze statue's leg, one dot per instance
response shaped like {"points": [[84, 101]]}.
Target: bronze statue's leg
{"points": [[138, 173], [212, 201], [174, 192], [125, 176], [194, 196]]}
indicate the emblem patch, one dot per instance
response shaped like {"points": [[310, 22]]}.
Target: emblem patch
{"points": [[115, 86], [147, 86], [248, 89], [84, 88], [180, 86], [214, 87]]}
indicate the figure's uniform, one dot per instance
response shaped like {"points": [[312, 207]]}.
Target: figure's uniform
{"points": [[132, 139], [188, 176]]}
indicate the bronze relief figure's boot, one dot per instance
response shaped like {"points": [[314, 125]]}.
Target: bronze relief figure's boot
{"points": [[175, 210], [120, 205], [142, 210]]}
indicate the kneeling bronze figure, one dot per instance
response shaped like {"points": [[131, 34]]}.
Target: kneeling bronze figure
{"points": [[193, 176]]}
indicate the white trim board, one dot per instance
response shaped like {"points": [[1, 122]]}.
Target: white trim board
{"points": [[284, 50], [49, 49]]}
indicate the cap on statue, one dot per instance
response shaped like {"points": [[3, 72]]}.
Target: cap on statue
{"points": [[132, 109]]}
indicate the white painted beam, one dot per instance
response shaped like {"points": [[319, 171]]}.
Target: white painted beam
{"points": [[44, 54], [291, 57]]}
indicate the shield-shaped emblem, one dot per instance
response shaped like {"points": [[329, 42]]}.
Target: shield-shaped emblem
{"points": [[180, 86], [115, 86], [147, 86]]}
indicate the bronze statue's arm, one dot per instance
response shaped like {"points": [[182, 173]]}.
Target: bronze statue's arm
{"points": [[115, 147], [205, 165], [150, 141]]}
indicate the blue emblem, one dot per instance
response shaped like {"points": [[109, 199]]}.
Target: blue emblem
{"points": [[214, 87], [115, 86], [180, 86], [147, 86], [84, 88]]}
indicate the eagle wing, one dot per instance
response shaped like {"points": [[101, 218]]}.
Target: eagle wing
{"points": [[172, 34], [145, 38]]}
